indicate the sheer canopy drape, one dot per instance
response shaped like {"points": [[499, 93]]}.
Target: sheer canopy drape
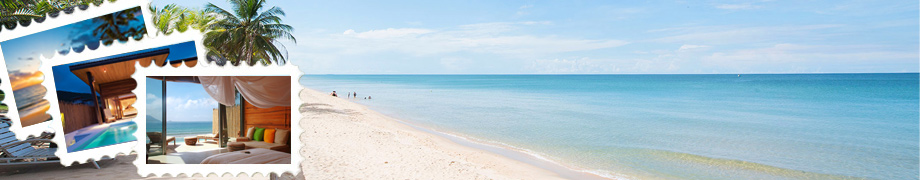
{"points": [[260, 91]]}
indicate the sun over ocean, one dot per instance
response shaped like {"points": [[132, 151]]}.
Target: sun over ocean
{"points": [[669, 126]]}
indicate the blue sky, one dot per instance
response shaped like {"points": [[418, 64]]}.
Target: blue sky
{"points": [[67, 81], [185, 102], [573, 37]]}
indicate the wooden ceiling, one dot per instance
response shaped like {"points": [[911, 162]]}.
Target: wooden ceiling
{"points": [[112, 72], [118, 68]]}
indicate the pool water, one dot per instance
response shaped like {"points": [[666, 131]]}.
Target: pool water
{"points": [[114, 134]]}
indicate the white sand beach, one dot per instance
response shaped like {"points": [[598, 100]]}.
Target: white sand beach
{"points": [[346, 140]]}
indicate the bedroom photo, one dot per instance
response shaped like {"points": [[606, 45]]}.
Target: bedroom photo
{"points": [[218, 120]]}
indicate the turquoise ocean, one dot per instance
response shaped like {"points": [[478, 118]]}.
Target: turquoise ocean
{"points": [[179, 129], [752, 126]]}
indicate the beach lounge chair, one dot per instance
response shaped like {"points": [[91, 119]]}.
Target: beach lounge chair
{"points": [[13, 151], [155, 138], [214, 137], [108, 115]]}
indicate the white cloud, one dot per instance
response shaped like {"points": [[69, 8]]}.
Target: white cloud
{"points": [[787, 58], [492, 38], [691, 47], [387, 33], [654, 61], [572, 66], [185, 103], [585, 65], [523, 10], [742, 35], [809, 58], [455, 63]]}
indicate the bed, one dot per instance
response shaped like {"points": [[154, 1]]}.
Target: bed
{"points": [[250, 156]]}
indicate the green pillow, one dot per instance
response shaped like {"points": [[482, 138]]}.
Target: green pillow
{"points": [[258, 136]]}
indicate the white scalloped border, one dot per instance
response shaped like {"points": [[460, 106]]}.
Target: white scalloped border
{"points": [[161, 170], [67, 158], [50, 23], [78, 15], [147, 42]]}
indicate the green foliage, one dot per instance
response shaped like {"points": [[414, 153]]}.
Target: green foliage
{"points": [[243, 34], [165, 19], [13, 11], [111, 25], [172, 18]]}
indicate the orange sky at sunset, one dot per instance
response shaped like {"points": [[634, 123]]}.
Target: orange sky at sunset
{"points": [[19, 82]]}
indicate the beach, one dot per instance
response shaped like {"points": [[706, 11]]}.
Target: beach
{"points": [[757, 126], [32, 106], [37, 117], [346, 140]]}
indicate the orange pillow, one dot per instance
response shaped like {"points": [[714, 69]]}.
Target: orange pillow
{"points": [[269, 135]]}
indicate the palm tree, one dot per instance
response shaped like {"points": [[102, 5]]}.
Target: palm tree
{"points": [[166, 18], [173, 17], [118, 26], [247, 35], [200, 20]]}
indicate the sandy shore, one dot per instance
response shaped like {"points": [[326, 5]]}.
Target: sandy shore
{"points": [[345, 140], [35, 118]]}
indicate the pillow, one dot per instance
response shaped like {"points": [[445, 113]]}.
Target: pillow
{"points": [[257, 136], [269, 135], [281, 136], [250, 131]]}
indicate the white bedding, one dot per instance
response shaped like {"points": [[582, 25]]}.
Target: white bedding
{"points": [[254, 156]]}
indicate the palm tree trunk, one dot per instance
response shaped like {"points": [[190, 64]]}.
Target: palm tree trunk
{"points": [[249, 52]]}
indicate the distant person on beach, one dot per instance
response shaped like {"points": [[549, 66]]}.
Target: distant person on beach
{"points": [[356, 95], [349, 95], [334, 95], [368, 97]]}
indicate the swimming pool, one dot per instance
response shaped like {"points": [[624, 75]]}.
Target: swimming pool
{"points": [[114, 134]]}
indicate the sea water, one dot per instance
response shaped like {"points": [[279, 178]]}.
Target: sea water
{"points": [[30, 99], [757, 126], [180, 129]]}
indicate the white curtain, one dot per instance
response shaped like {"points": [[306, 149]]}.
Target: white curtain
{"points": [[219, 87], [260, 91]]}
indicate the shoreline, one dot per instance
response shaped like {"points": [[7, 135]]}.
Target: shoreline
{"points": [[476, 159], [35, 116], [517, 154]]}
